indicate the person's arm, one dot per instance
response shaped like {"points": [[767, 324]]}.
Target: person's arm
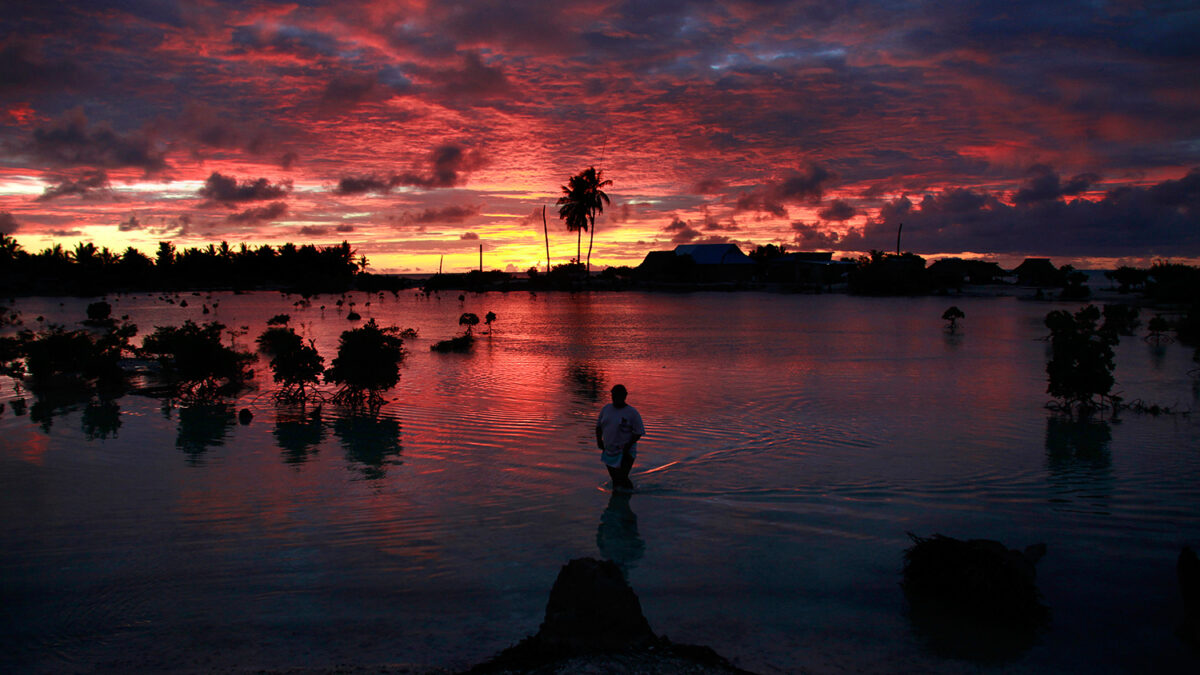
{"points": [[599, 435], [632, 440]]}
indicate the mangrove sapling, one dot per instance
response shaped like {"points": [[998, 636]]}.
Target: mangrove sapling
{"points": [[367, 364], [294, 365], [462, 343], [194, 361], [953, 314], [1158, 328], [279, 320], [98, 314], [488, 319], [1081, 363], [1120, 318]]}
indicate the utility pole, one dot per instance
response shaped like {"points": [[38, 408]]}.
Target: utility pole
{"points": [[546, 229], [481, 258], [898, 231], [440, 259]]}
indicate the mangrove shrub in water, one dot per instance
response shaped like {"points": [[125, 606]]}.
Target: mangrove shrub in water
{"points": [[195, 362], [295, 365], [1081, 362], [57, 355], [367, 364]]}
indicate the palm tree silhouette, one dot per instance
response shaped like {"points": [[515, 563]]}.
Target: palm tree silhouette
{"points": [[583, 198]]}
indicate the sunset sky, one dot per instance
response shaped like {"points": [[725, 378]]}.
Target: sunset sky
{"points": [[996, 129]]}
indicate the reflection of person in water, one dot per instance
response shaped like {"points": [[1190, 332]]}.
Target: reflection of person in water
{"points": [[617, 537], [617, 432]]}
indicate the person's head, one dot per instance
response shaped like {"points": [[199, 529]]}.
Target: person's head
{"points": [[619, 394]]}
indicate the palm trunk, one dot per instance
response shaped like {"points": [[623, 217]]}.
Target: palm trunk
{"points": [[578, 244], [591, 237]]}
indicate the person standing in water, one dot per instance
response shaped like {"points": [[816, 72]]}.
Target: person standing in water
{"points": [[617, 432]]}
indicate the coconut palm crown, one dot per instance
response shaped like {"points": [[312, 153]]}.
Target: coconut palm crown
{"points": [[583, 197]]}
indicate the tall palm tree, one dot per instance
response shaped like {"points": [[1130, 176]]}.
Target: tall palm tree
{"points": [[583, 197]]}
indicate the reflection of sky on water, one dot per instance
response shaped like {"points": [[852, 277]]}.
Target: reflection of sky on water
{"points": [[792, 441]]}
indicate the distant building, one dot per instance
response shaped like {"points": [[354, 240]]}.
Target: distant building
{"points": [[815, 268], [954, 272], [698, 263], [1038, 272]]}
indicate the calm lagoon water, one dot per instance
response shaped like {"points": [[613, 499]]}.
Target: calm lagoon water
{"points": [[792, 442]]}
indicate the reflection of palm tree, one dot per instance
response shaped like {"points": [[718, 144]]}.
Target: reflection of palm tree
{"points": [[583, 197]]}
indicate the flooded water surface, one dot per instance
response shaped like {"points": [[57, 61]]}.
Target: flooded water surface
{"points": [[792, 442]]}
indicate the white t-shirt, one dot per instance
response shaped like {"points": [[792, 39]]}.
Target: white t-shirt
{"points": [[617, 428]]}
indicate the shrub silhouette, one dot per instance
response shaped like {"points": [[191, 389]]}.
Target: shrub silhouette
{"points": [[469, 320], [367, 364], [1081, 364], [61, 356], [953, 314], [195, 362], [295, 365], [1121, 319]]}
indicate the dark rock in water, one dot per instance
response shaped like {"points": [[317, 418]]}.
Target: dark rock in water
{"points": [[594, 622], [592, 607], [244, 416], [974, 599], [1188, 569], [978, 576]]}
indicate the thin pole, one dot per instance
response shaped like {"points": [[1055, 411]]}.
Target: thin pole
{"points": [[898, 231], [546, 229], [481, 258], [440, 259]]}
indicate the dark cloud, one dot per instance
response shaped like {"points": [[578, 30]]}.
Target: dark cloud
{"points": [[260, 214], [209, 127], [346, 91], [1044, 184], [314, 231], [82, 186], [474, 79], [838, 210], [285, 39], [681, 232], [23, 68], [806, 187], [812, 237], [63, 234], [354, 185], [448, 165], [344, 229], [8, 224], [70, 141], [469, 236], [131, 224], [1159, 220], [226, 189], [448, 214], [708, 186]]}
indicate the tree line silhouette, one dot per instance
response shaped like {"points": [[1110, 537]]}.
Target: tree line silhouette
{"points": [[89, 269]]}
